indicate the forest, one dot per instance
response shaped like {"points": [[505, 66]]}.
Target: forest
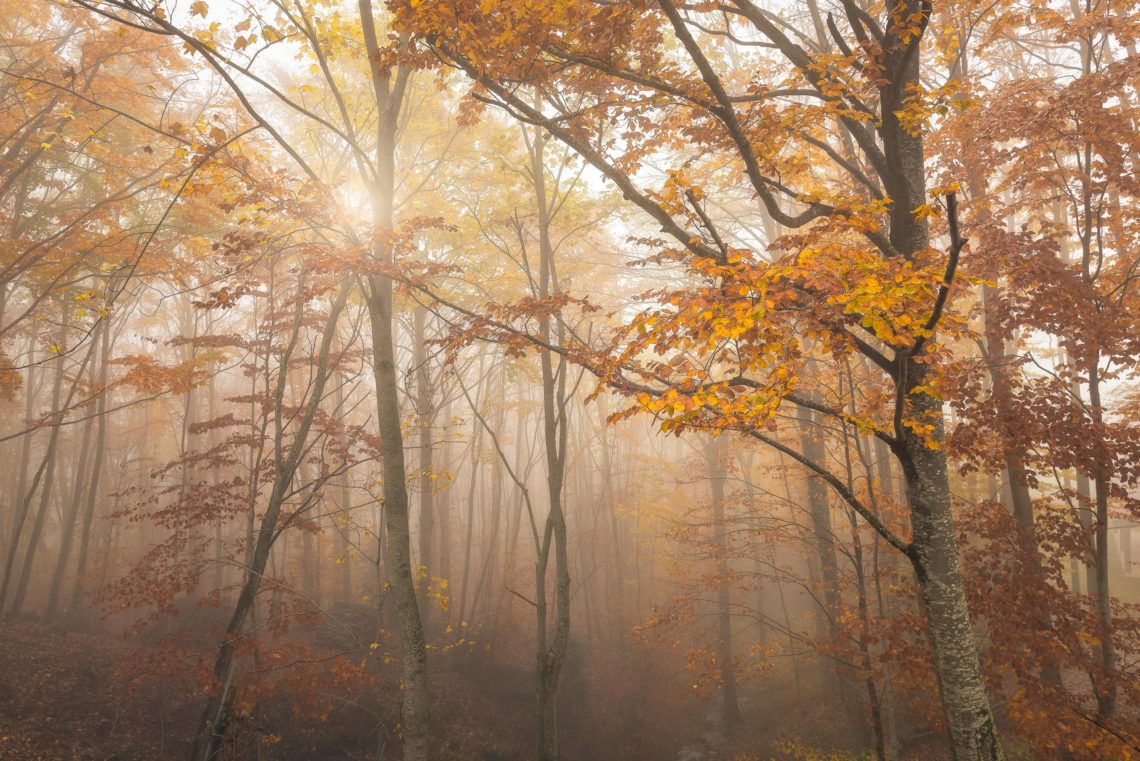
{"points": [[569, 380]]}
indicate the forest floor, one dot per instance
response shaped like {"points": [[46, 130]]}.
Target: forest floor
{"points": [[96, 697], [80, 697], [90, 697], [61, 698]]}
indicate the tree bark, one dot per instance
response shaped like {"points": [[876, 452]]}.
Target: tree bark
{"points": [[552, 652], [425, 413], [714, 459], [389, 94], [287, 462], [973, 733], [93, 496]]}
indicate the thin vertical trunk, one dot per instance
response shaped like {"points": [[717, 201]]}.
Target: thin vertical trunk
{"points": [[608, 503], [70, 518], [819, 512], [472, 490], [489, 548], [714, 459], [344, 515], [93, 495], [874, 698], [551, 649], [443, 504], [425, 412], [211, 442], [1107, 683], [21, 484], [287, 462], [46, 476]]}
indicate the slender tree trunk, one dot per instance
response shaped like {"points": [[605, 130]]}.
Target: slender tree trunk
{"points": [[287, 462], [21, 484], [551, 651], [344, 518], [489, 549], [714, 458], [443, 504], [93, 496], [820, 513], [70, 519], [46, 476], [608, 503], [425, 413], [472, 490], [1107, 682]]}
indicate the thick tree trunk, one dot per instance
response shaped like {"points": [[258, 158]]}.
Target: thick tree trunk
{"points": [[934, 554], [389, 87], [398, 565], [973, 734]]}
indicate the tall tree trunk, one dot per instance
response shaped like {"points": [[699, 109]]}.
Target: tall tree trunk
{"points": [[608, 503], [287, 462], [425, 413], [389, 94], [93, 495], [443, 504], [714, 459], [934, 555], [973, 733], [344, 516], [21, 483], [44, 475], [1107, 682], [551, 650], [819, 511], [70, 518], [472, 490]]}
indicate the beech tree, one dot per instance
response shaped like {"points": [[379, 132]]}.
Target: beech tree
{"points": [[374, 159], [676, 378], [865, 99]]}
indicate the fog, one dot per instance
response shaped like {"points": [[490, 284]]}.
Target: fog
{"points": [[637, 381]]}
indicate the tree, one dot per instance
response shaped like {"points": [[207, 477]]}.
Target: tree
{"points": [[388, 69], [861, 112], [1056, 243]]}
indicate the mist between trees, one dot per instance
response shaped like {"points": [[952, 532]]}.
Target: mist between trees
{"points": [[569, 379]]}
